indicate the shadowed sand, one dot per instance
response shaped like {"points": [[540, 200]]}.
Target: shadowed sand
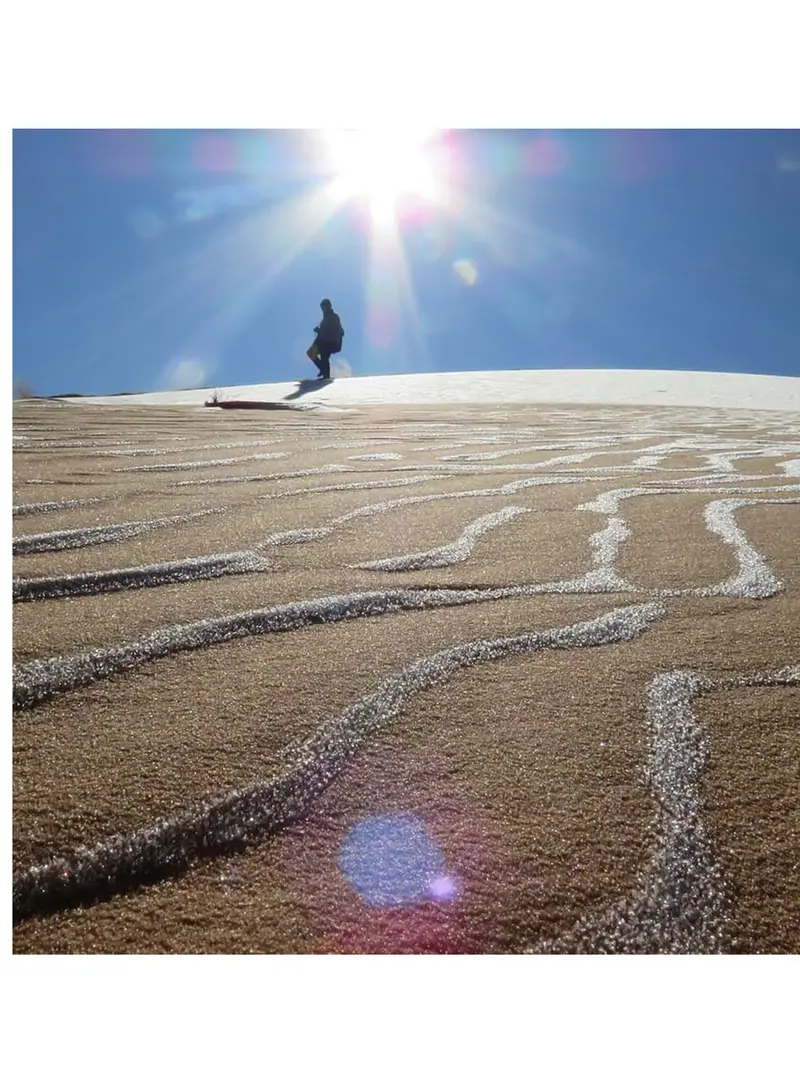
{"points": [[522, 773]]}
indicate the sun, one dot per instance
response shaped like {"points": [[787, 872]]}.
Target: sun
{"points": [[380, 166]]}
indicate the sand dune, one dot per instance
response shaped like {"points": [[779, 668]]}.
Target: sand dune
{"points": [[412, 677]]}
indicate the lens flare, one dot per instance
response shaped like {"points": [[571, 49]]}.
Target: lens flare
{"points": [[466, 270], [443, 889], [215, 153], [186, 372], [545, 156], [392, 861]]}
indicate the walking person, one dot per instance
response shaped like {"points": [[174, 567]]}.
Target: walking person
{"points": [[329, 340]]}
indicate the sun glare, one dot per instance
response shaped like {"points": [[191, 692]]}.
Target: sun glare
{"points": [[379, 166]]}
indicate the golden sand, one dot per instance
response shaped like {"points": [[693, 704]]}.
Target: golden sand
{"points": [[523, 783]]}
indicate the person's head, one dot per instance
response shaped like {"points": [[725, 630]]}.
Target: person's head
{"points": [[326, 305]]}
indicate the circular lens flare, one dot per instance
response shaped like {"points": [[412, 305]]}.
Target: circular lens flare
{"points": [[392, 860]]}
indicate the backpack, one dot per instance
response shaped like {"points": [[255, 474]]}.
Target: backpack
{"points": [[336, 344]]}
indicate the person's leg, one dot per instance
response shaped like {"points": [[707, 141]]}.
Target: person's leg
{"points": [[324, 363], [313, 355]]}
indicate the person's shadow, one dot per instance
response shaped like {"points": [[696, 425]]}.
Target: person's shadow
{"points": [[307, 386]]}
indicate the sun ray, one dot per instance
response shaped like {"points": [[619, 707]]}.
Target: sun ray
{"points": [[240, 260], [273, 242], [391, 304], [383, 169]]}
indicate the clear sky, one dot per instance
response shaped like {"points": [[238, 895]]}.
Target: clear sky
{"points": [[148, 259]]}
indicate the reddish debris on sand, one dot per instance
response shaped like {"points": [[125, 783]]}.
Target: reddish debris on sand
{"points": [[250, 405]]}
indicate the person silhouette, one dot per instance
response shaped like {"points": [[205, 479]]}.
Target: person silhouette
{"points": [[329, 340]]}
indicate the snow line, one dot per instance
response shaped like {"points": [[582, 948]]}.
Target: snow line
{"points": [[349, 486], [41, 679], [376, 457], [753, 579], [163, 468], [55, 505], [457, 551], [243, 816], [332, 468], [682, 903], [65, 586], [136, 452], [65, 539]]}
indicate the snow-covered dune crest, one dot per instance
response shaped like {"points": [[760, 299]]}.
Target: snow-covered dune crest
{"points": [[666, 388]]}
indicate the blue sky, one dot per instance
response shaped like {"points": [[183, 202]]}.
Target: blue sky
{"points": [[148, 259]]}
